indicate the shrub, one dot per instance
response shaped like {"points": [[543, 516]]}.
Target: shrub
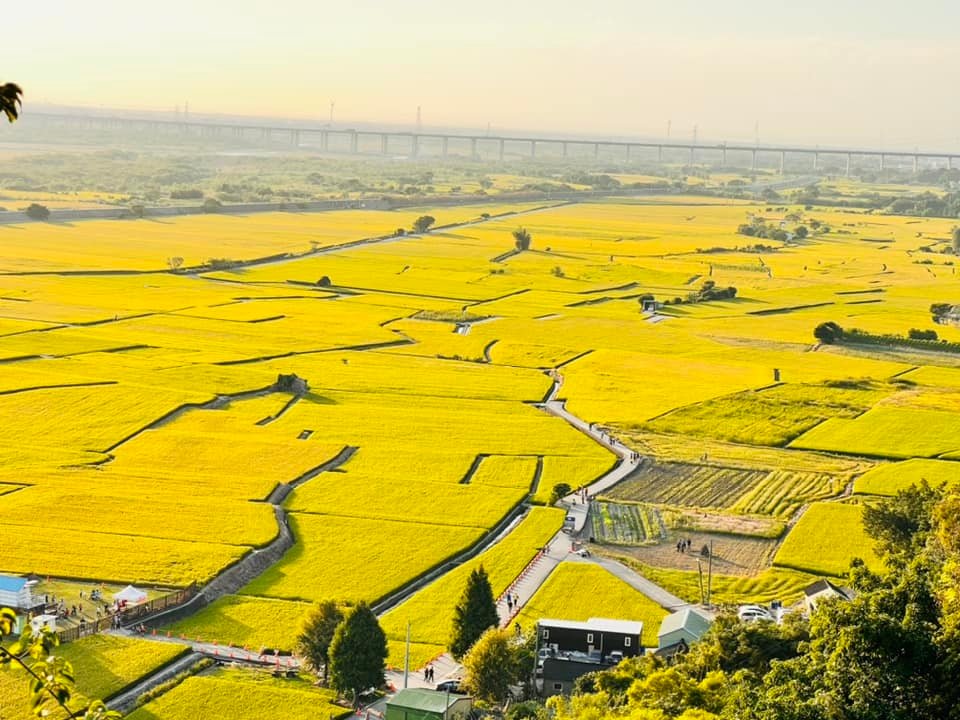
{"points": [[916, 334], [186, 194], [828, 333], [324, 281], [560, 490], [38, 212], [212, 205]]}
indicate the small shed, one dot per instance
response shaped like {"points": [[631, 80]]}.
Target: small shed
{"points": [[130, 595], [424, 704], [689, 625], [15, 593]]}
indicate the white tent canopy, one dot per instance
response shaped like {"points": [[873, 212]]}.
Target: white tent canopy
{"points": [[131, 595]]}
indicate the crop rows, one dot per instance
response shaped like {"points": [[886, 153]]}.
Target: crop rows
{"points": [[624, 524]]}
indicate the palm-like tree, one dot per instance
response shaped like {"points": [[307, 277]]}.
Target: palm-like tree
{"points": [[521, 238], [10, 95]]}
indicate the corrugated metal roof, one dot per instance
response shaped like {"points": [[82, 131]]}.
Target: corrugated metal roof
{"points": [[626, 627], [8, 583], [426, 700]]}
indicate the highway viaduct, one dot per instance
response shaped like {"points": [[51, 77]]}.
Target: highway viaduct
{"points": [[431, 144]]}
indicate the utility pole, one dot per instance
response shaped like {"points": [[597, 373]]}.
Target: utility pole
{"points": [[710, 574], [406, 659], [756, 134]]}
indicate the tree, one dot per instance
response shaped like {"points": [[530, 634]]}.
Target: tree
{"points": [[358, 653], [955, 237], [175, 263], [801, 232], [52, 680], [560, 490], [475, 613], [521, 239], [316, 636], [828, 333], [37, 212], [423, 223], [212, 205], [491, 666], [10, 100]]}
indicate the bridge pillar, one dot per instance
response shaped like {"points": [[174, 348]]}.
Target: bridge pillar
{"points": [[723, 156], [816, 161], [324, 140], [445, 146], [690, 161], [883, 162], [950, 162], [627, 148], [565, 147], [916, 163], [753, 161], [414, 146], [354, 142], [848, 164], [501, 148], [295, 138], [384, 143], [596, 150], [659, 153], [783, 160], [473, 147], [533, 149]]}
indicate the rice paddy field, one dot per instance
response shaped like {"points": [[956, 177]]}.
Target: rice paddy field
{"points": [[145, 439], [580, 591]]}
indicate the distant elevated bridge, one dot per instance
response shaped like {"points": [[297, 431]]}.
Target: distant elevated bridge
{"points": [[433, 144]]}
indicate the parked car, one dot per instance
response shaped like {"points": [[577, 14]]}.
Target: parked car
{"points": [[615, 657], [751, 613], [451, 686]]}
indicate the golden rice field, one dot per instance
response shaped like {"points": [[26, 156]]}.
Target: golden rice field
{"points": [[580, 591], [142, 436], [244, 695], [104, 666]]}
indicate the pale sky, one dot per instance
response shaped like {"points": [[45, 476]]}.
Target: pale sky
{"points": [[878, 73]]}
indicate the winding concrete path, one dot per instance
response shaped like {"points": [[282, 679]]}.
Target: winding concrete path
{"points": [[628, 461]]}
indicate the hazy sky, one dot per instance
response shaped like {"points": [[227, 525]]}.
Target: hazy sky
{"points": [[815, 71]]}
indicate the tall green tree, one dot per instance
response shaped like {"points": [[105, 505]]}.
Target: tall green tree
{"points": [[316, 636], [358, 653], [492, 665], [10, 100], [475, 613]]}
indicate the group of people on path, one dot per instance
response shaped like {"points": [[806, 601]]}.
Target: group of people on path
{"points": [[683, 545], [428, 673], [513, 601]]}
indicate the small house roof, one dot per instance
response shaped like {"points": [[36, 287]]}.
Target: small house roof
{"points": [[424, 700], [9, 583], [690, 619], [625, 627], [821, 586]]}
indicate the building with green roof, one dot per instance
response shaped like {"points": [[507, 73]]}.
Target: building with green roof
{"points": [[425, 704]]}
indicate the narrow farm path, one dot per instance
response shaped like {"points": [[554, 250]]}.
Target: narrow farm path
{"points": [[663, 598], [629, 460]]}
